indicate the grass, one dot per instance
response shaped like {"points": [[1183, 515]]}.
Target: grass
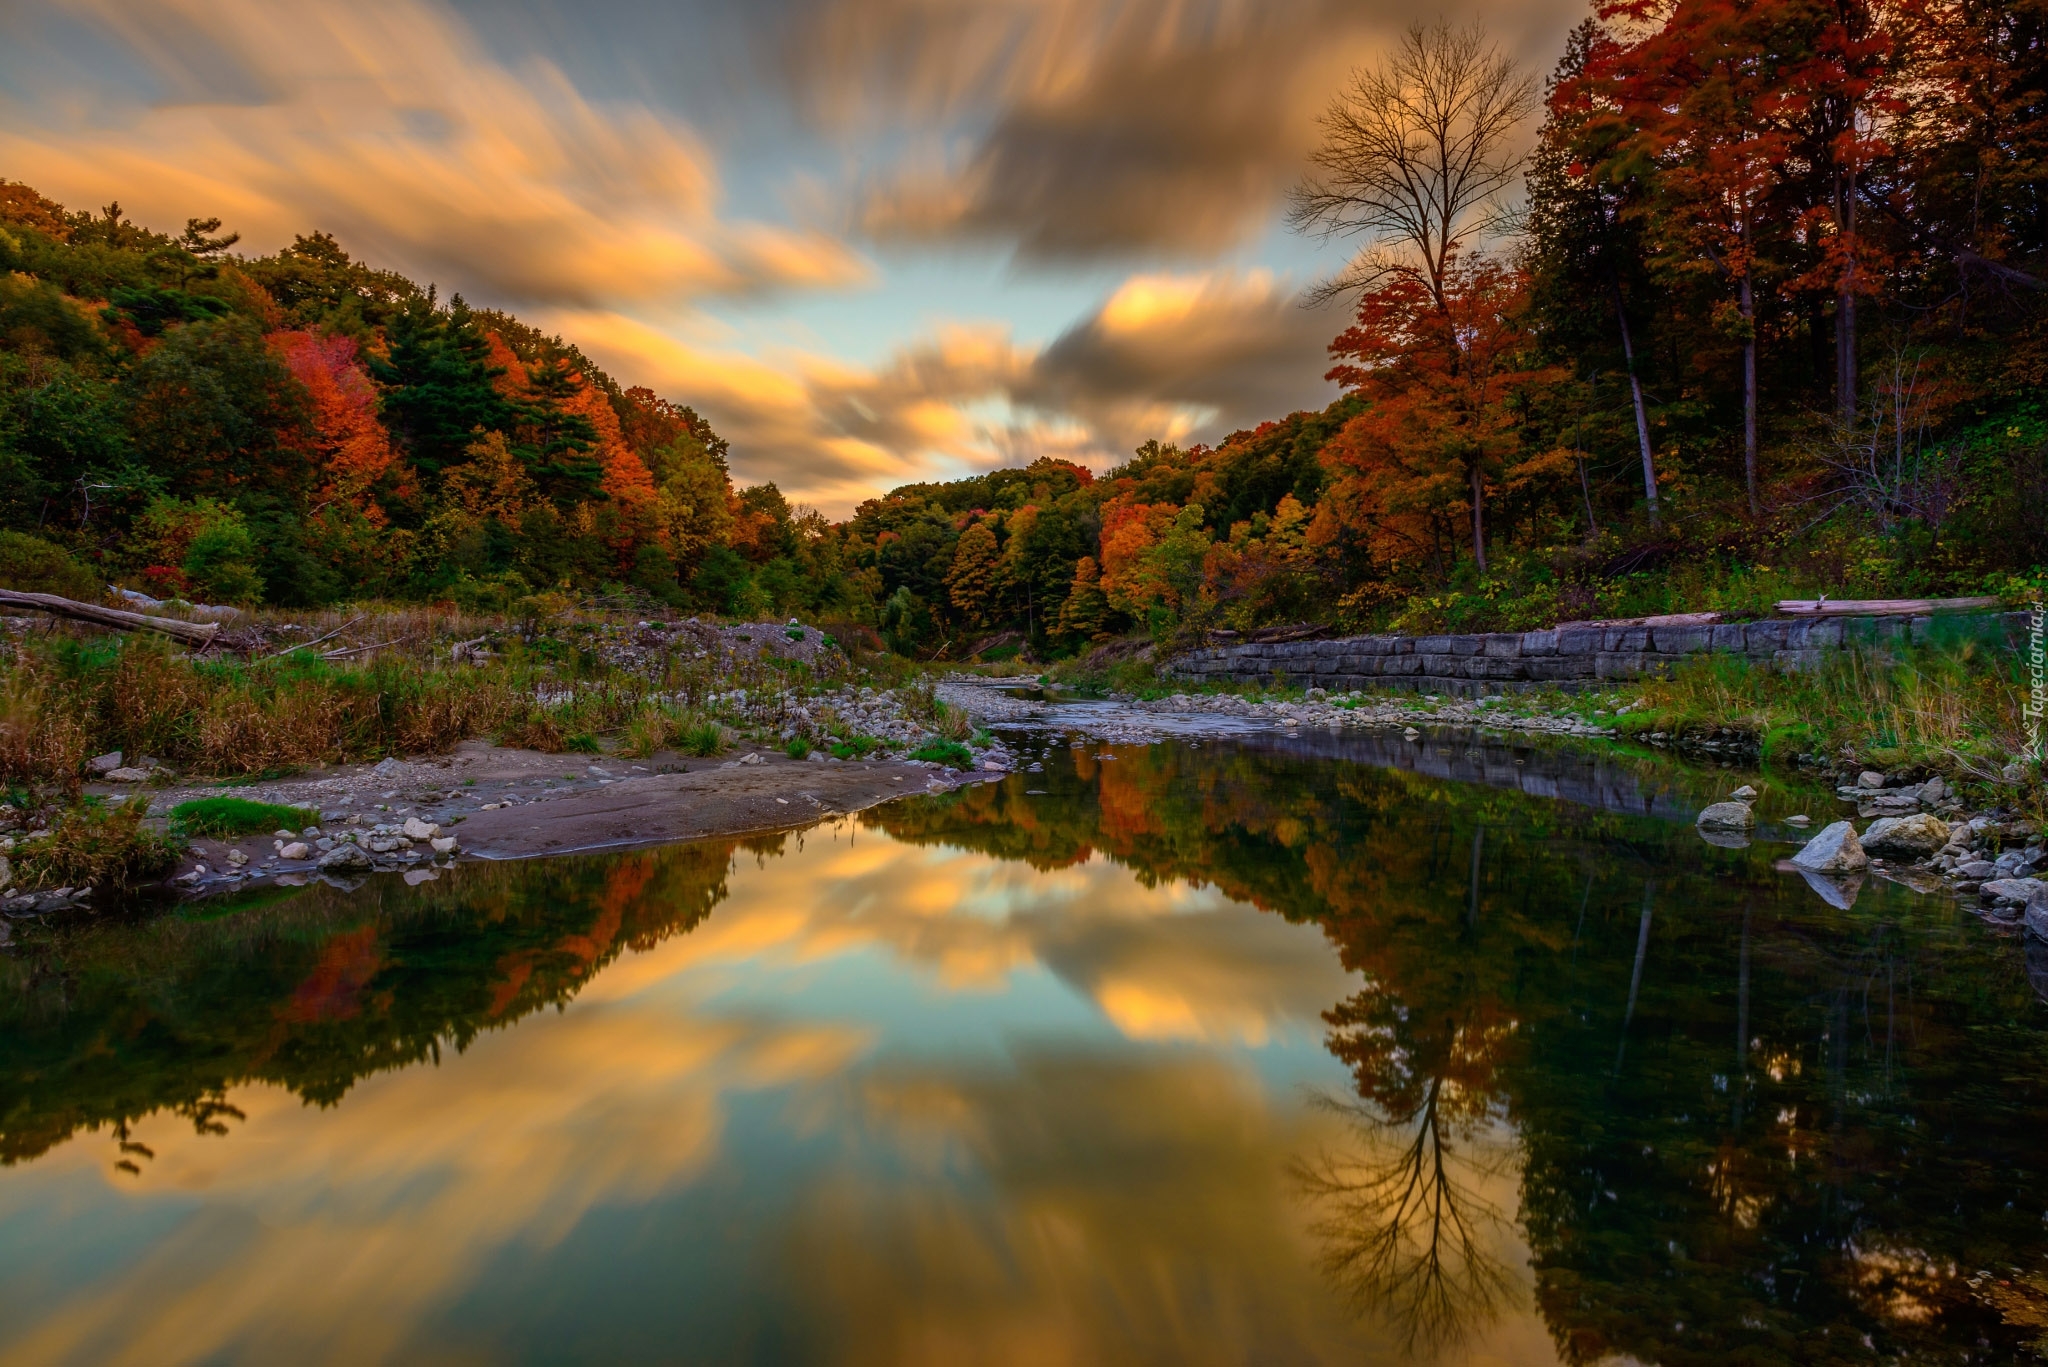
{"points": [[798, 748], [854, 747], [948, 752], [231, 816], [92, 844], [702, 740]]}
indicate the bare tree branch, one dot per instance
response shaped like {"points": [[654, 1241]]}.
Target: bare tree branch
{"points": [[1415, 156]]}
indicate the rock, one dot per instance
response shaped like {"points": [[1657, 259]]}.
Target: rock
{"points": [[1978, 869], [2025, 891], [298, 849], [748, 759], [285, 835], [444, 844], [127, 775], [1743, 794], [1835, 850], [6, 872], [104, 764], [1800, 820], [1934, 790], [389, 768], [2037, 919], [344, 859], [237, 858], [416, 829], [1912, 837], [1410, 733], [1727, 816], [1867, 779]]}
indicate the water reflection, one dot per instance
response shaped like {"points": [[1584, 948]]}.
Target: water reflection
{"points": [[1205, 1055]]}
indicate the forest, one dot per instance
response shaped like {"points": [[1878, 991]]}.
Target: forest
{"points": [[1758, 314]]}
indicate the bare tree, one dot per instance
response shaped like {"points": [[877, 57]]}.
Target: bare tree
{"points": [[1415, 155]]}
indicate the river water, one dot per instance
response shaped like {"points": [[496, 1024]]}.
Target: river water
{"points": [[1259, 1051]]}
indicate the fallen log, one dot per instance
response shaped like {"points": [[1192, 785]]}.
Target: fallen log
{"points": [[196, 633], [1882, 607]]}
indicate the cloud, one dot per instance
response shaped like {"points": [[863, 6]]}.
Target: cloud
{"points": [[1092, 128], [383, 122], [1218, 350], [1176, 357]]}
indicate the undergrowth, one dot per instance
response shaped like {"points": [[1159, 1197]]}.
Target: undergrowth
{"points": [[94, 844]]}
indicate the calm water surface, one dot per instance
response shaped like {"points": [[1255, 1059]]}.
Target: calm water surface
{"points": [[1277, 1052]]}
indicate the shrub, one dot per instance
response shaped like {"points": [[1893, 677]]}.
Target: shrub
{"points": [[798, 748], [95, 844], [583, 743], [855, 747], [231, 816], [30, 564]]}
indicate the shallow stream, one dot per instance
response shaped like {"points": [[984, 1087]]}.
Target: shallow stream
{"points": [[1265, 1050]]}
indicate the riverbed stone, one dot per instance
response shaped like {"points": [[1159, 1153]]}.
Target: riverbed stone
{"points": [[298, 849], [416, 829], [1727, 816], [2025, 891], [1834, 850], [127, 774], [345, 859], [104, 764], [1915, 836], [1870, 779]]}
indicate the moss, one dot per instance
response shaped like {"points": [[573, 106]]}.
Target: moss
{"points": [[230, 816]]}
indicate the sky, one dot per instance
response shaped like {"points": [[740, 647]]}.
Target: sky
{"points": [[875, 241]]}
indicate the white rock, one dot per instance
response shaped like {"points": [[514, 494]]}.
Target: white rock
{"points": [[1727, 816], [344, 858], [237, 858], [1912, 836], [127, 775], [1800, 820], [1835, 850], [1869, 779], [443, 844], [1744, 793], [284, 835], [298, 849], [416, 829]]}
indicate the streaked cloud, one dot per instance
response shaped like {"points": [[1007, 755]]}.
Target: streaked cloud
{"points": [[383, 122]]}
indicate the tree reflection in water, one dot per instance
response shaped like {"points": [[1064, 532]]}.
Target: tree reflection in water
{"points": [[1406, 1232]]}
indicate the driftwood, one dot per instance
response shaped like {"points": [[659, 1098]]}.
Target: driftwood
{"points": [[1882, 607], [196, 633]]}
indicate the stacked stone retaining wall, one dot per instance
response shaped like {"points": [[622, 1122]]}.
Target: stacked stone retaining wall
{"points": [[1569, 658]]}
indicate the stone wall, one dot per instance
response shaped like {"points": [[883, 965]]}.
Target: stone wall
{"points": [[1570, 658]]}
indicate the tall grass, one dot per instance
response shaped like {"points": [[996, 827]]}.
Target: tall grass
{"points": [[1956, 707]]}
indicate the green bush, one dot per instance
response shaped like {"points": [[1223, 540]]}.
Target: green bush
{"points": [[30, 564], [798, 748], [702, 740], [583, 743], [230, 816]]}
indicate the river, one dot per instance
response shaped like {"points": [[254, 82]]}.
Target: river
{"points": [[1265, 1050]]}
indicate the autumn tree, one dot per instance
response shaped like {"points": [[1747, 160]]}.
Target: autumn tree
{"points": [[1443, 372]]}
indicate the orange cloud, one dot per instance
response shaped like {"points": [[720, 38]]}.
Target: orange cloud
{"points": [[383, 122]]}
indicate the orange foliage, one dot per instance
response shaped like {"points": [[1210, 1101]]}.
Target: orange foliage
{"points": [[353, 449]]}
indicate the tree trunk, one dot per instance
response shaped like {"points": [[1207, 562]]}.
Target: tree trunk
{"points": [[1478, 518], [1756, 506], [197, 633], [1845, 307], [1635, 388]]}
